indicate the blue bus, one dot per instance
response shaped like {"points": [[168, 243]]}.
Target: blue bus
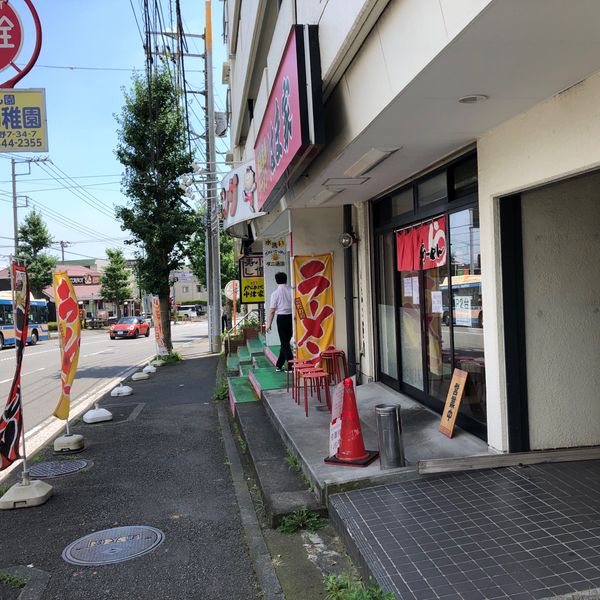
{"points": [[37, 328]]}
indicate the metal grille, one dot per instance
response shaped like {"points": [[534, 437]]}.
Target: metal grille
{"points": [[56, 468]]}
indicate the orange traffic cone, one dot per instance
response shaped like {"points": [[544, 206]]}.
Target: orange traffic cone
{"points": [[351, 451]]}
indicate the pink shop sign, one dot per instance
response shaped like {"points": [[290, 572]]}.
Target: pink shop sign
{"points": [[283, 138]]}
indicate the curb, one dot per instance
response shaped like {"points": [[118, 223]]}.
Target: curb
{"points": [[259, 553]]}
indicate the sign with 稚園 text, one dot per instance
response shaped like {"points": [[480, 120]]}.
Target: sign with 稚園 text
{"points": [[23, 125]]}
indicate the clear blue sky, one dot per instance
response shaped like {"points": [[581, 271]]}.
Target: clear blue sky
{"points": [[101, 40]]}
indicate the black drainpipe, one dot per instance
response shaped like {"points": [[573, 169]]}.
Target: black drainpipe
{"points": [[349, 293]]}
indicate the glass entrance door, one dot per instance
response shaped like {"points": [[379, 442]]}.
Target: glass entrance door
{"points": [[411, 340]]}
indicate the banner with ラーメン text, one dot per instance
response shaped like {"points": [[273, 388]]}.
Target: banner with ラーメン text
{"points": [[11, 421], [69, 328], [314, 308]]}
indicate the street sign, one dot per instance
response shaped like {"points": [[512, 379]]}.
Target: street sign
{"points": [[23, 121], [11, 35], [232, 288]]}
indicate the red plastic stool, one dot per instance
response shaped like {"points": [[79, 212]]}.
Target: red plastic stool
{"points": [[334, 363], [315, 379], [297, 364]]}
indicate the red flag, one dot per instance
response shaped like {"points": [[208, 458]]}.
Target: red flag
{"points": [[11, 423]]}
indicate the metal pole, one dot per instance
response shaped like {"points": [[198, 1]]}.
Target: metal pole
{"points": [[14, 199], [213, 213], [25, 475]]}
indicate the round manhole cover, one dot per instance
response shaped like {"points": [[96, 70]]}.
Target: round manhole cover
{"points": [[113, 545], [56, 468]]}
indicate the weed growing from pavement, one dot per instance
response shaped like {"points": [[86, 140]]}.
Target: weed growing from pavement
{"points": [[4, 487], [301, 519], [257, 498], [293, 462], [347, 587], [221, 390], [169, 359], [17, 583], [241, 441]]}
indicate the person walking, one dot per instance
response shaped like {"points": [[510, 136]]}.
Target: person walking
{"points": [[281, 306]]}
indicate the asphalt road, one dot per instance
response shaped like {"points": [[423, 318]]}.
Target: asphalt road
{"points": [[101, 360]]}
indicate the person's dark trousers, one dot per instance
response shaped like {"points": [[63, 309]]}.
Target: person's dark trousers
{"points": [[284, 328], [223, 323]]}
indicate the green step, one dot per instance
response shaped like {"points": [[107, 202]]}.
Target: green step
{"points": [[262, 338], [233, 363], [262, 362], [269, 379], [243, 355], [245, 369], [241, 389], [255, 346], [272, 351]]}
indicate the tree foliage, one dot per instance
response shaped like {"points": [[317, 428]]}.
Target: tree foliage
{"points": [[115, 279], [152, 148], [34, 237], [197, 255]]}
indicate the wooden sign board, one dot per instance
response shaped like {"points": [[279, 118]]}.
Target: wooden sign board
{"points": [[455, 393]]}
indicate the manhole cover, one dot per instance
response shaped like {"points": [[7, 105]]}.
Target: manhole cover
{"points": [[113, 545], [56, 468]]}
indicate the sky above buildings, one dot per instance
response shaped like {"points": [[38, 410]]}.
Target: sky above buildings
{"points": [[89, 52]]}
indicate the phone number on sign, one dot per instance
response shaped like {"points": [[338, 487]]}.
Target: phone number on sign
{"points": [[21, 143]]}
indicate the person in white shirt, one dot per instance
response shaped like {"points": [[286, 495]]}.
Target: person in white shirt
{"points": [[281, 306]]}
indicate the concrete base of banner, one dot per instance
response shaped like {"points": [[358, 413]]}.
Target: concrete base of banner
{"points": [[157, 363], [69, 443], [97, 415], [26, 494], [121, 390], [139, 375], [149, 369]]}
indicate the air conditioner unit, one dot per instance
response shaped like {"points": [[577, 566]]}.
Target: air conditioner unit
{"points": [[226, 73]]}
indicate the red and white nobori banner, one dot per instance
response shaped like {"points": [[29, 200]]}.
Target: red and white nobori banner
{"points": [[423, 247], [14, 38], [11, 422]]}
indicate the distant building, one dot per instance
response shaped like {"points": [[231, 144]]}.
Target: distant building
{"points": [[186, 288]]}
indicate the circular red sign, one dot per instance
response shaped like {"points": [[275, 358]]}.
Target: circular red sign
{"points": [[11, 34]]}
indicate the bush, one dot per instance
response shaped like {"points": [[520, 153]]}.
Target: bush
{"points": [[169, 359], [52, 326]]}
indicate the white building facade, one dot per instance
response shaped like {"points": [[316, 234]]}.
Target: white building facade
{"points": [[476, 117]]}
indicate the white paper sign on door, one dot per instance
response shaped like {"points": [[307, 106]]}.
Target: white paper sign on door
{"points": [[436, 302]]}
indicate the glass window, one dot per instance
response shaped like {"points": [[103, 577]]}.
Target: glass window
{"points": [[433, 190], [386, 268], [467, 313], [465, 177], [402, 203]]}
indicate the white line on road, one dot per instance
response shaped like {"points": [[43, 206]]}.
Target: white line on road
{"points": [[24, 374]]}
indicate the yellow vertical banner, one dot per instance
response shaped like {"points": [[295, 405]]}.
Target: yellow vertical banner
{"points": [[314, 308], [69, 327]]}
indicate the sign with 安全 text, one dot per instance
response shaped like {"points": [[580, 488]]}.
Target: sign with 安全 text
{"points": [[455, 393], [23, 125]]}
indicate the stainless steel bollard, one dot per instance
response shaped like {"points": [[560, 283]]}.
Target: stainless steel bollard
{"points": [[389, 431]]}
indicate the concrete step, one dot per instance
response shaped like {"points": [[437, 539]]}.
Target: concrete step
{"points": [[283, 490]]}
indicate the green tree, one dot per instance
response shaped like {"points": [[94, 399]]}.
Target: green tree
{"points": [[152, 148], [197, 254], [34, 237], [115, 279]]}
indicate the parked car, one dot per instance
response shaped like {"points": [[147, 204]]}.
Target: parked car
{"points": [[129, 327], [186, 312]]}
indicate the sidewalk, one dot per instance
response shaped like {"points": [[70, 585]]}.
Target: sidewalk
{"points": [[159, 464]]}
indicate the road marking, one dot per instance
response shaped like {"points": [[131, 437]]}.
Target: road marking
{"points": [[24, 374]]}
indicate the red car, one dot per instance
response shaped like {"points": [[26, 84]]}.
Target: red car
{"points": [[129, 327]]}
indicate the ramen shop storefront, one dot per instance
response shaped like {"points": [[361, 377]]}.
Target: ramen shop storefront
{"points": [[429, 319]]}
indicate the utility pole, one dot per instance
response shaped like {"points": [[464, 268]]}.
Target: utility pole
{"points": [[13, 165], [213, 262], [15, 214], [63, 245]]}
